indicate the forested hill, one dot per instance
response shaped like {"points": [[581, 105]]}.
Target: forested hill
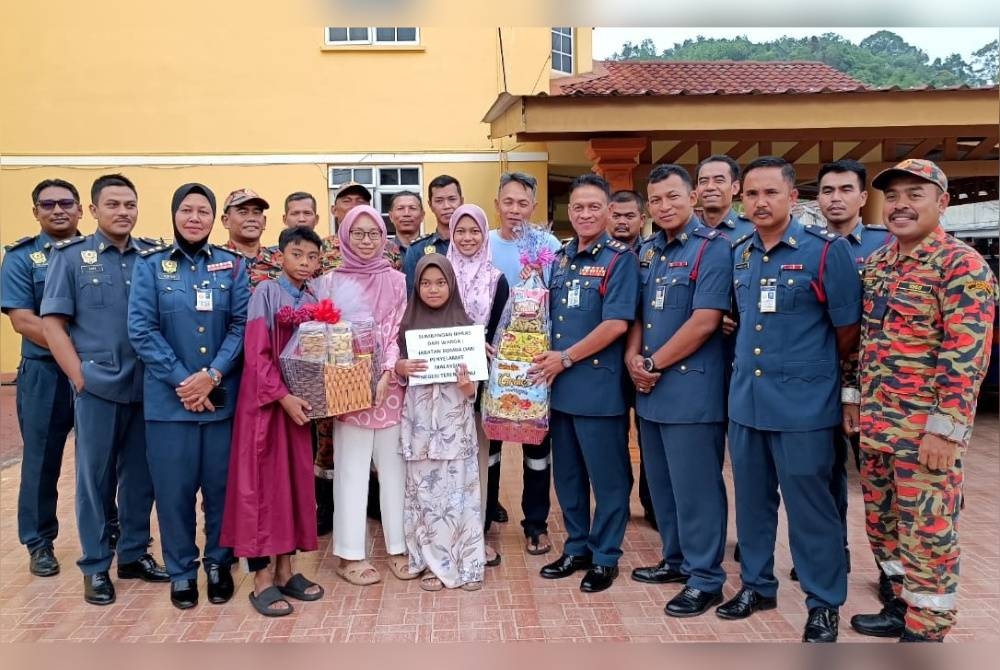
{"points": [[881, 59]]}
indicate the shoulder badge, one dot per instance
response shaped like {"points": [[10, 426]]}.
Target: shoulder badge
{"points": [[743, 238], [422, 238], [152, 250], [821, 233], [16, 243], [65, 243], [708, 233], [226, 249]]}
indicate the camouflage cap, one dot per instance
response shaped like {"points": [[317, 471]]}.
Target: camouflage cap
{"points": [[916, 167], [241, 197], [353, 187]]}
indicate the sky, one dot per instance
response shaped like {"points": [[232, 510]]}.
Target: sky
{"points": [[936, 42]]}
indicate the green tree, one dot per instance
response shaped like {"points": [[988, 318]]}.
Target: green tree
{"points": [[881, 59]]}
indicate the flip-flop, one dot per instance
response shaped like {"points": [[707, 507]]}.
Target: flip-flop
{"points": [[495, 561], [296, 588], [533, 547], [266, 599], [431, 583]]}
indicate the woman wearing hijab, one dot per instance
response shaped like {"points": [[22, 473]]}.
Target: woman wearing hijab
{"points": [[187, 314], [365, 286], [484, 292], [442, 504]]}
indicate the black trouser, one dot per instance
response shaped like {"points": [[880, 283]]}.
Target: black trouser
{"points": [[258, 563], [536, 483]]}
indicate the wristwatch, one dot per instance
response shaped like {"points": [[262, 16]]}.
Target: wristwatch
{"points": [[949, 429], [566, 360], [214, 375], [648, 365]]}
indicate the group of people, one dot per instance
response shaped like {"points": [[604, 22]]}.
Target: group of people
{"points": [[796, 343]]}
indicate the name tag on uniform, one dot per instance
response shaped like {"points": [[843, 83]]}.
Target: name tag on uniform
{"points": [[677, 264], [203, 301], [661, 294], [573, 299], [768, 299], [913, 287], [224, 265], [793, 266]]}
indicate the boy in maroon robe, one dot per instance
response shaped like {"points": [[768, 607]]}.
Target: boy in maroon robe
{"points": [[270, 502]]}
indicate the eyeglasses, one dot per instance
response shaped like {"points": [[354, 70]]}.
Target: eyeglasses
{"points": [[49, 205], [358, 235]]}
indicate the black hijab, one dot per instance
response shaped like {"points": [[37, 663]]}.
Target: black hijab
{"points": [[419, 315], [190, 248]]}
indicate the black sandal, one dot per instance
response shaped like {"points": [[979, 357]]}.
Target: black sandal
{"points": [[495, 561], [533, 547], [296, 588], [265, 601]]}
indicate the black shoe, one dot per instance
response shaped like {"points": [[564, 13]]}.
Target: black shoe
{"points": [[98, 589], [500, 514], [821, 625], [220, 584], [564, 566], [43, 563], [184, 593], [599, 578], [886, 592], [890, 622], [745, 603], [144, 568], [659, 574], [736, 554], [692, 602], [907, 636]]}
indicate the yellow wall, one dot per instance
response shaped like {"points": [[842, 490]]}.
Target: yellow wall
{"points": [[196, 79]]}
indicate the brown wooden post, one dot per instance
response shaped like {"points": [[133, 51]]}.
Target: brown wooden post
{"points": [[616, 158]]}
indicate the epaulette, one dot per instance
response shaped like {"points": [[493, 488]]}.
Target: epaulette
{"points": [[744, 217], [820, 232], [156, 249], [153, 241], [876, 228], [62, 244], [618, 246], [226, 249], [422, 238], [706, 232], [742, 239], [16, 243]]}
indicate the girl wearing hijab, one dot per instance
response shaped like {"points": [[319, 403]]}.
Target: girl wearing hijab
{"points": [[366, 286], [484, 292], [187, 315], [442, 504]]}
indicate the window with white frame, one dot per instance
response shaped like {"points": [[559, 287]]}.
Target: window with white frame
{"points": [[562, 50], [382, 180], [386, 35]]}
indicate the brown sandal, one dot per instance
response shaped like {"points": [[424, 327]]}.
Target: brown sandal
{"points": [[399, 566], [354, 572], [472, 586], [429, 582]]}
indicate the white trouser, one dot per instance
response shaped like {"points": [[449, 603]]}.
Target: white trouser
{"points": [[357, 448]]}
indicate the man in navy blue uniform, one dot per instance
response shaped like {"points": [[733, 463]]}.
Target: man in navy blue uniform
{"points": [[444, 196], [799, 300], [186, 319], [676, 357], [83, 310], [593, 292], [717, 182], [841, 197], [625, 225], [44, 397]]}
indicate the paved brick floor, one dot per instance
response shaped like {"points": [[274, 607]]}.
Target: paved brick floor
{"points": [[516, 604]]}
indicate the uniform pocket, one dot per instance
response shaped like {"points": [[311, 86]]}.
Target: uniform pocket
{"points": [[172, 299], [679, 291], [222, 297], [808, 371], [794, 291], [95, 290], [914, 305]]}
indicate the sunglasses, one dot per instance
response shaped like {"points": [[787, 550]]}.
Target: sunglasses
{"points": [[49, 205]]}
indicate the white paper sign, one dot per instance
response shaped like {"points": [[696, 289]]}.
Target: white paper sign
{"points": [[445, 348]]}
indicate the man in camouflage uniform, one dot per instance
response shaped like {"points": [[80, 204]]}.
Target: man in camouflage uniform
{"points": [[243, 216], [929, 302]]}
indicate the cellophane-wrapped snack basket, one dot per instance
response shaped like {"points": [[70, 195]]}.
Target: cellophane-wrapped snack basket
{"points": [[329, 362], [515, 406]]}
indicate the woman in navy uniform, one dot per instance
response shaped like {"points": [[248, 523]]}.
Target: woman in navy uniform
{"points": [[187, 314]]}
